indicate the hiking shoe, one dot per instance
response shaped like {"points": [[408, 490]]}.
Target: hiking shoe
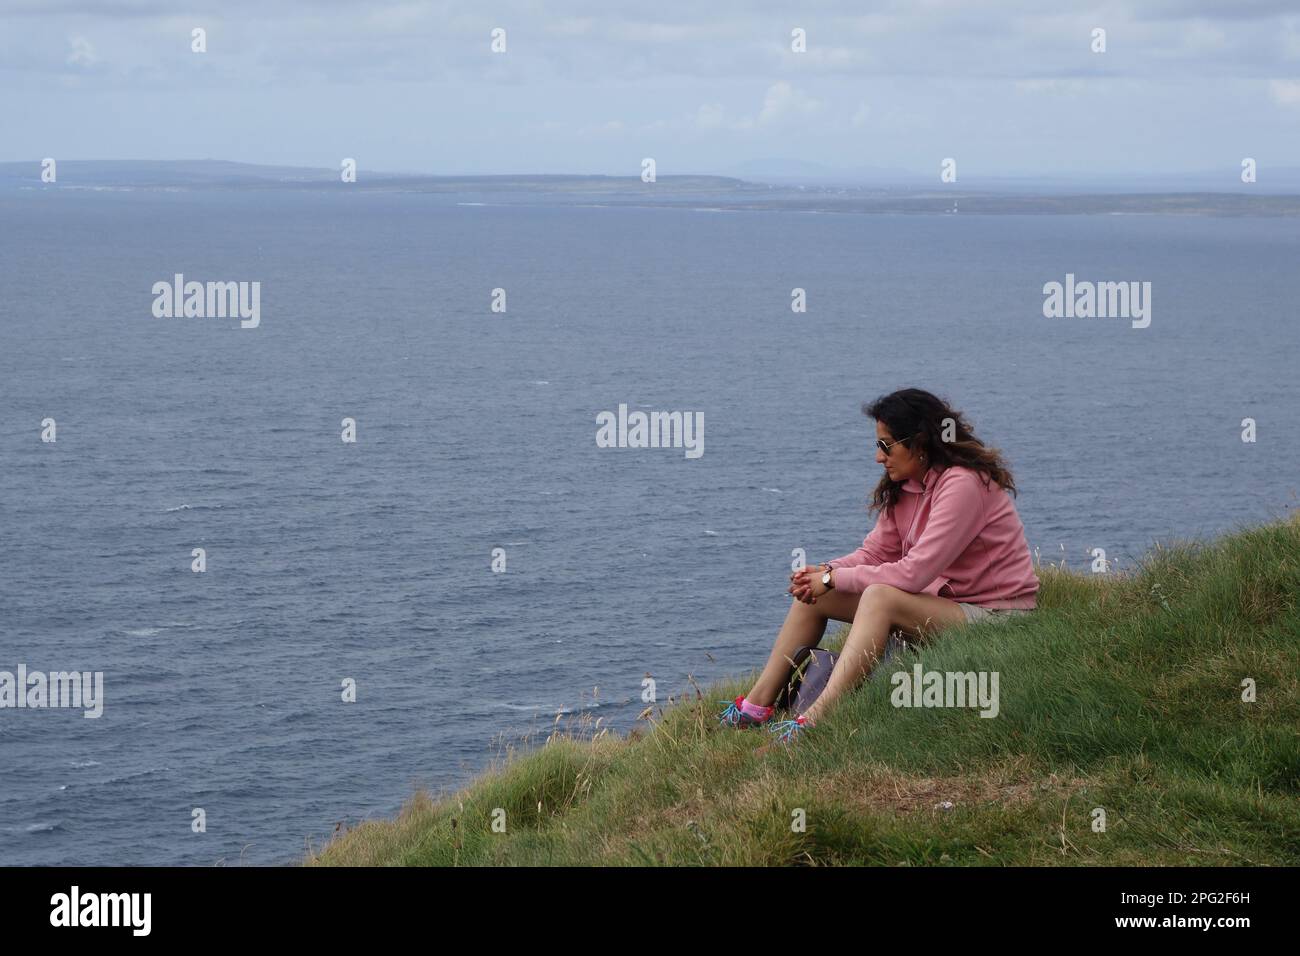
{"points": [[733, 716]]}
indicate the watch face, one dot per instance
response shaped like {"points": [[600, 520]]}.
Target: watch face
{"points": [[826, 579]]}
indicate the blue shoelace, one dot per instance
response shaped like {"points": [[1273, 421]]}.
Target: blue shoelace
{"points": [[731, 715], [786, 729]]}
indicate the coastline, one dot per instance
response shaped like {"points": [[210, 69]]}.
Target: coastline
{"points": [[1193, 775]]}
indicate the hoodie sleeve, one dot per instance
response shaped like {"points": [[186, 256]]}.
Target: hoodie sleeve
{"points": [[881, 546], [956, 517]]}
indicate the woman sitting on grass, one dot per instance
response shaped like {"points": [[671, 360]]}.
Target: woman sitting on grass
{"points": [[947, 547]]}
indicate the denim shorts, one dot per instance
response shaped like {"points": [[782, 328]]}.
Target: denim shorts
{"points": [[975, 612]]}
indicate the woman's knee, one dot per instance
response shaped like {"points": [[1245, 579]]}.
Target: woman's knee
{"points": [[881, 599], [881, 595]]}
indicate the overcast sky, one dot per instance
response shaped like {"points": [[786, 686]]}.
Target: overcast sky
{"points": [[700, 85]]}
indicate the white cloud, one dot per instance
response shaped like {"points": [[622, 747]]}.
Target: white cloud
{"points": [[1285, 92], [598, 129], [782, 101], [709, 116], [82, 54], [831, 59]]}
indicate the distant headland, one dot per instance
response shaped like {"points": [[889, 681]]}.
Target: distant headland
{"points": [[722, 193]]}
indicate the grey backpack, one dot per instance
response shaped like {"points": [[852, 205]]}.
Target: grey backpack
{"points": [[811, 670]]}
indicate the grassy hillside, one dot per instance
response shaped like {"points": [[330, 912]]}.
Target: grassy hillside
{"points": [[1122, 692]]}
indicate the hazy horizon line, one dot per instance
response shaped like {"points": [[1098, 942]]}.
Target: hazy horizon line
{"points": [[776, 170]]}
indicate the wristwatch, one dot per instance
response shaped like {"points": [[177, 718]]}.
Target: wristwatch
{"points": [[826, 579]]}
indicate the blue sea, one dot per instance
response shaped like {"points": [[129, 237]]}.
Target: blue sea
{"points": [[371, 561]]}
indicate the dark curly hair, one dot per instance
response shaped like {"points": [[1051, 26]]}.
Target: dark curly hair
{"points": [[919, 419]]}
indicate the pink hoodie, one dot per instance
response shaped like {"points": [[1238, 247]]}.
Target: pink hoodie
{"points": [[952, 537]]}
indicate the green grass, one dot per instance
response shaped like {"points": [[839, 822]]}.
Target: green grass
{"points": [[1122, 692]]}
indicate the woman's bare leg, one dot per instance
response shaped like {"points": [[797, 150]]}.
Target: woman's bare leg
{"points": [[881, 609], [804, 626]]}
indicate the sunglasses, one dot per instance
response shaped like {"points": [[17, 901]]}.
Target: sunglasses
{"points": [[880, 443]]}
